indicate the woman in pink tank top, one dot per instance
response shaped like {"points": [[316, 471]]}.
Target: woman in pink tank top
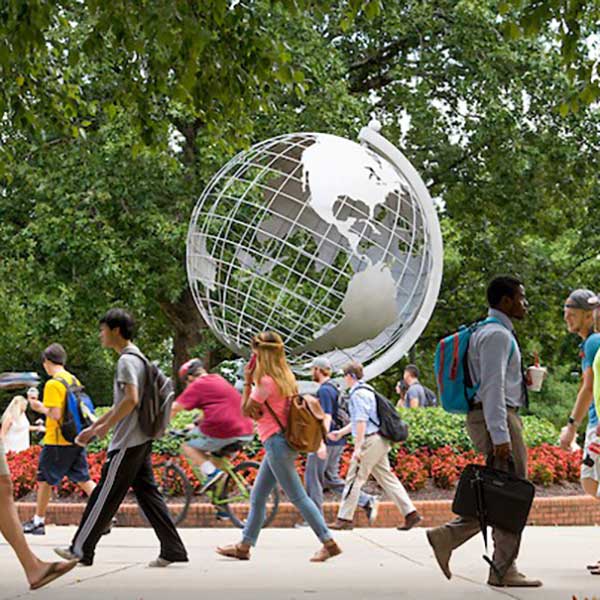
{"points": [[269, 385]]}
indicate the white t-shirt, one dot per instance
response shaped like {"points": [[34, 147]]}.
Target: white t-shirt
{"points": [[17, 437]]}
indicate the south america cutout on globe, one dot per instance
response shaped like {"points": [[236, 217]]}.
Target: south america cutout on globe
{"points": [[334, 244]]}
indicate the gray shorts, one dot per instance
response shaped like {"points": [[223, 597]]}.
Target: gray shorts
{"points": [[205, 443], [594, 471], [4, 471]]}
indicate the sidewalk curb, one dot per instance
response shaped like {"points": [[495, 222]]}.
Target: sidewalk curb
{"points": [[558, 510]]}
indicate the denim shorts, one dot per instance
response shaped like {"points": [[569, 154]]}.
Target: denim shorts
{"points": [[57, 462], [205, 443], [3, 464]]}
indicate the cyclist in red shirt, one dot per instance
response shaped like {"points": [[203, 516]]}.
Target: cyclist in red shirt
{"points": [[221, 423]]}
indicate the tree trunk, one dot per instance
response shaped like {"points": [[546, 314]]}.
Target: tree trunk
{"points": [[189, 330]]}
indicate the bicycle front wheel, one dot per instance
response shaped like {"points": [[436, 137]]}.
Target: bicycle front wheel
{"points": [[176, 490], [236, 490]]}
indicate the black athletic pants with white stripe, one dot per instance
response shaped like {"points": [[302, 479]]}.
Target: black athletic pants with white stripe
{"points": [[124, 469]]}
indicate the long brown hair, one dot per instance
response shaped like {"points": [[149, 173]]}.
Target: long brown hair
{"points": [[271, 361]]}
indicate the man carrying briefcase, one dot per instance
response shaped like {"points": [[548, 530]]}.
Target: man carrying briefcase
{"points": [[494, 426]]}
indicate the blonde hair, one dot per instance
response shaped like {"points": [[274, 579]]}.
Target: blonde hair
{"points": [[271, 361], [17, 406]]}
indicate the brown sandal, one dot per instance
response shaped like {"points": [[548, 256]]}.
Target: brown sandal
{"points": [[234, 551], [327, 551], [55, 570]]}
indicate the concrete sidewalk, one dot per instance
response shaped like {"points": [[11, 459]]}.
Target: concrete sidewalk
{"points": [[377, 564]]}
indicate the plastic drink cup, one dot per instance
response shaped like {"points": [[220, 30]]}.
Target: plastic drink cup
{"points": [[535, 376]]}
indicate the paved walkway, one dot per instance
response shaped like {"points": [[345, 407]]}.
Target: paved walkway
{"points": [[377, 564]]}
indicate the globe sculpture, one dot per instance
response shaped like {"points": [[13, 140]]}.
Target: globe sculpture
{"points": [[334, 244]]}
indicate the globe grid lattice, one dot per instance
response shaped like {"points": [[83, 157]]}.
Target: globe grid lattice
{"points": [[316, 237]]}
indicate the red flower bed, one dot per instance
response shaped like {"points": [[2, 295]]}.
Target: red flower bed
{"points": [[412, 471], [547, 465]]}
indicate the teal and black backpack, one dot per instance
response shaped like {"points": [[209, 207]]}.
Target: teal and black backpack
{"points": [[456, 388]]}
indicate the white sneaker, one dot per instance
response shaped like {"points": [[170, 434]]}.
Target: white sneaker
{"points": [[372, 510], [159, 563]]}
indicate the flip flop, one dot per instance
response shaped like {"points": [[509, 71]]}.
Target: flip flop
{"points": [[55, 570]]}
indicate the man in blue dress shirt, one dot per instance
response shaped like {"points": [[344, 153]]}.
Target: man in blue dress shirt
{"points": [[494, 424]]}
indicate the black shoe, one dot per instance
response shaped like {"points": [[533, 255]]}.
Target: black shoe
{"points": [[31, 528]]}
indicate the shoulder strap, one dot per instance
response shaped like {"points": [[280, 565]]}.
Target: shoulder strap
{"points": [[362, 387], [499, 322], [370, 389], [63, 381], [138, 354], [275, 416]]}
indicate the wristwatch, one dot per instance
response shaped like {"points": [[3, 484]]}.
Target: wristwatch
{"points": [[572, 421]]}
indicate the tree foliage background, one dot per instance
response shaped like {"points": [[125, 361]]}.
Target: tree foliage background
{"points": [[115, 116]]}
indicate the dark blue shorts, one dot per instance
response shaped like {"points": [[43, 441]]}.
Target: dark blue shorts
{"points": [[57, 462]]}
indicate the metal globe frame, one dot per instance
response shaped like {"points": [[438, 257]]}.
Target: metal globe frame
{"points": [[200, 263]]}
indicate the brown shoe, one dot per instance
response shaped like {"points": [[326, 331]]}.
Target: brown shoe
{"points": [[341, 525], [410, 520], [438, 540], [327, 551], [239, 551], [513, 580]]}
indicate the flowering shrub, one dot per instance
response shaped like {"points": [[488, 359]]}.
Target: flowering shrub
{"points": [[411, 471], [23, 470], [547, 465]]}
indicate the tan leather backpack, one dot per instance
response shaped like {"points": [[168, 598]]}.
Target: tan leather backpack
{"points": [[306, 423]]}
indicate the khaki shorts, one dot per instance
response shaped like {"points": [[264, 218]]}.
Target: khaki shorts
{"points": [[3, 464]]}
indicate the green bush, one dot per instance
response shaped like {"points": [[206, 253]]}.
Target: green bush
{"points": [[429, 427], [434, 428], [538, 431], [555, 401]]}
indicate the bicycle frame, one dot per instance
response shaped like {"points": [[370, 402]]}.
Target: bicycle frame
{"points": [[227, 468]]}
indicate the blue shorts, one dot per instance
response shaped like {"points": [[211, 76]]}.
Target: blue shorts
{"points": [[205, 443], [57, 462]]}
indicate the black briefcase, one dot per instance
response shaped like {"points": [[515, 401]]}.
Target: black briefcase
{"points": [[494, 497]]}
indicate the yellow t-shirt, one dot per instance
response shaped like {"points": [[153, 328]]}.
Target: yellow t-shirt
{"points": [[55, 396]]}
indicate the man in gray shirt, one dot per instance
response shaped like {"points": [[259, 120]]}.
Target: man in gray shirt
{"points": [[494, 424], [415, 392], [129, 459]]}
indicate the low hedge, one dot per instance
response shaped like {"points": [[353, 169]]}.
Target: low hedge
{"points": [[434, 428], [431, 428]]}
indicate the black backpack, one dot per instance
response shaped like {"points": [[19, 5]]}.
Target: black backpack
{"points": [[156, 399], [341, 415], [391, 426], [430, 398]]}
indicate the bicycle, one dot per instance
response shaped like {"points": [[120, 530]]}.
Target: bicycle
{"points": [[232, 486]]}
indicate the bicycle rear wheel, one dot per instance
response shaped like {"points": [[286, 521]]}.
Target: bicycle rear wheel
{"points": [[176, 489], [237, 488]]}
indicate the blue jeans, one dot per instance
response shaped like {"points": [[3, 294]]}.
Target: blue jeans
{"points": [[278, 466]]}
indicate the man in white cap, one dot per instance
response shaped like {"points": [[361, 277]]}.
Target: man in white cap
{"points": [[322, 467], [578, 315]]}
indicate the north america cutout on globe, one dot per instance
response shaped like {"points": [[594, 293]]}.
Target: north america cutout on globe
{"points": [[312, 235]]}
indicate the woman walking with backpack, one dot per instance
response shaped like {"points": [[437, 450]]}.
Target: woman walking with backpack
{"points": [[268, 388]]}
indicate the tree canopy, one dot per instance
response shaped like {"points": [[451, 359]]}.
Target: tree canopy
{"points": [[115, 119]]}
